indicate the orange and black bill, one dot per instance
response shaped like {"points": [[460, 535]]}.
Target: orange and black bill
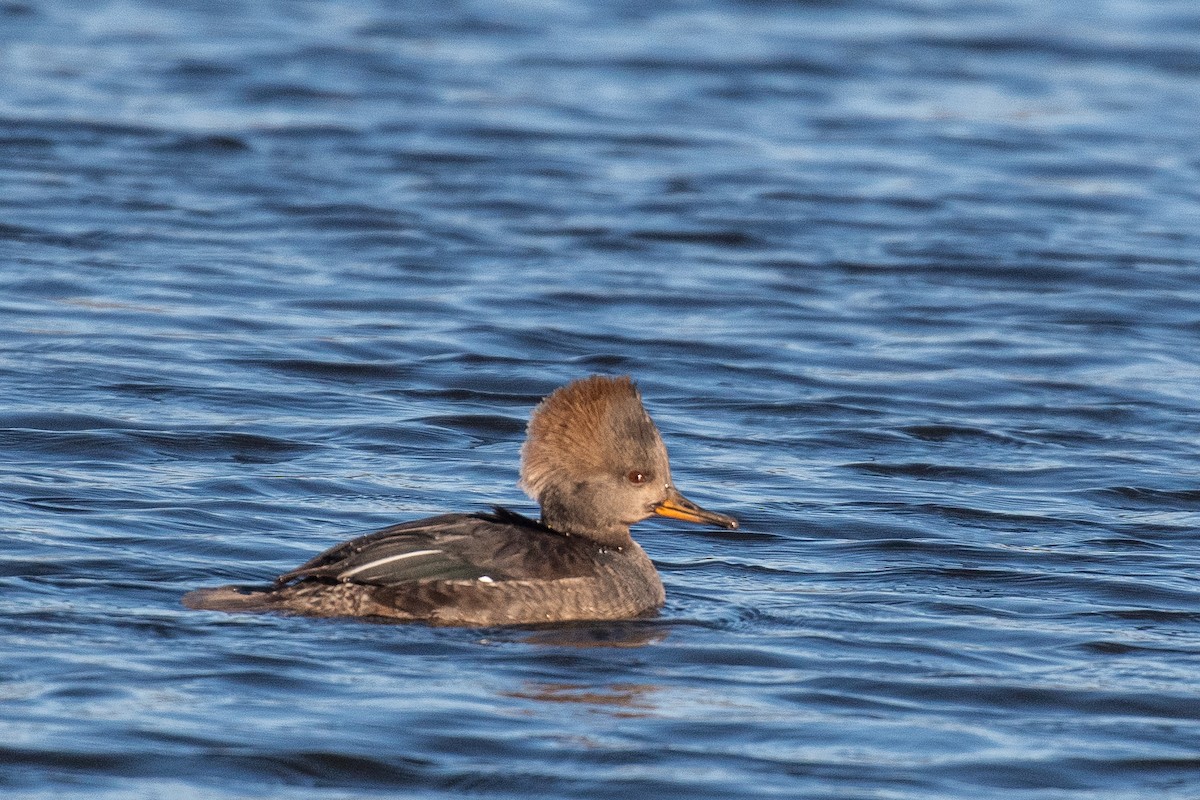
{"points": [[676, 506]]}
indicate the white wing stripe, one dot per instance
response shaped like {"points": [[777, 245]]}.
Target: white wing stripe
{"points": [[388, 560]]}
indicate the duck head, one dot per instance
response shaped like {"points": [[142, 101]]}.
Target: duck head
{"points": [[595, 463]]}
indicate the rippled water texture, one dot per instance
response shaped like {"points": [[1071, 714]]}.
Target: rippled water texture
{"points": [[910, 286]]}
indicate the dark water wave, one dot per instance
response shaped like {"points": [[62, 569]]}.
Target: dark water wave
{"points": [[908, 287]]}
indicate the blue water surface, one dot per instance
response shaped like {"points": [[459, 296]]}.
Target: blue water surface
{"points": [[912, 287]]}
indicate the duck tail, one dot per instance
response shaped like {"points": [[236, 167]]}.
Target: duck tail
{"points": [[231, 598]]}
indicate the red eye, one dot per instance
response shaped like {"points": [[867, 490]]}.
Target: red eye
{"points": [[636, 477]]}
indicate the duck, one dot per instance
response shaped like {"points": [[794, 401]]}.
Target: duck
{"points": [[594, 462]]}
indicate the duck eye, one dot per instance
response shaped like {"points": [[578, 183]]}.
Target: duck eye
{"points": [[636, 477]]}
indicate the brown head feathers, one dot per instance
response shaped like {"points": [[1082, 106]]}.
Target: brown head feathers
{"points": [[589, 426]]}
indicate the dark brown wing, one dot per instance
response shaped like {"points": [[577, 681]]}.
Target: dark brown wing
{"points": [[501, 546]]}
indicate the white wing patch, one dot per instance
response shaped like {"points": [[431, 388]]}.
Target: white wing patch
{"points": [[389, 559]]}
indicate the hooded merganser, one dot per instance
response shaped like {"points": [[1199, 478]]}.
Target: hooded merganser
{"points": [[594, 462]]}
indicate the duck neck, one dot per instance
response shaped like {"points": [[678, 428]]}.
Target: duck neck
{"points": [[580, 520]]}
